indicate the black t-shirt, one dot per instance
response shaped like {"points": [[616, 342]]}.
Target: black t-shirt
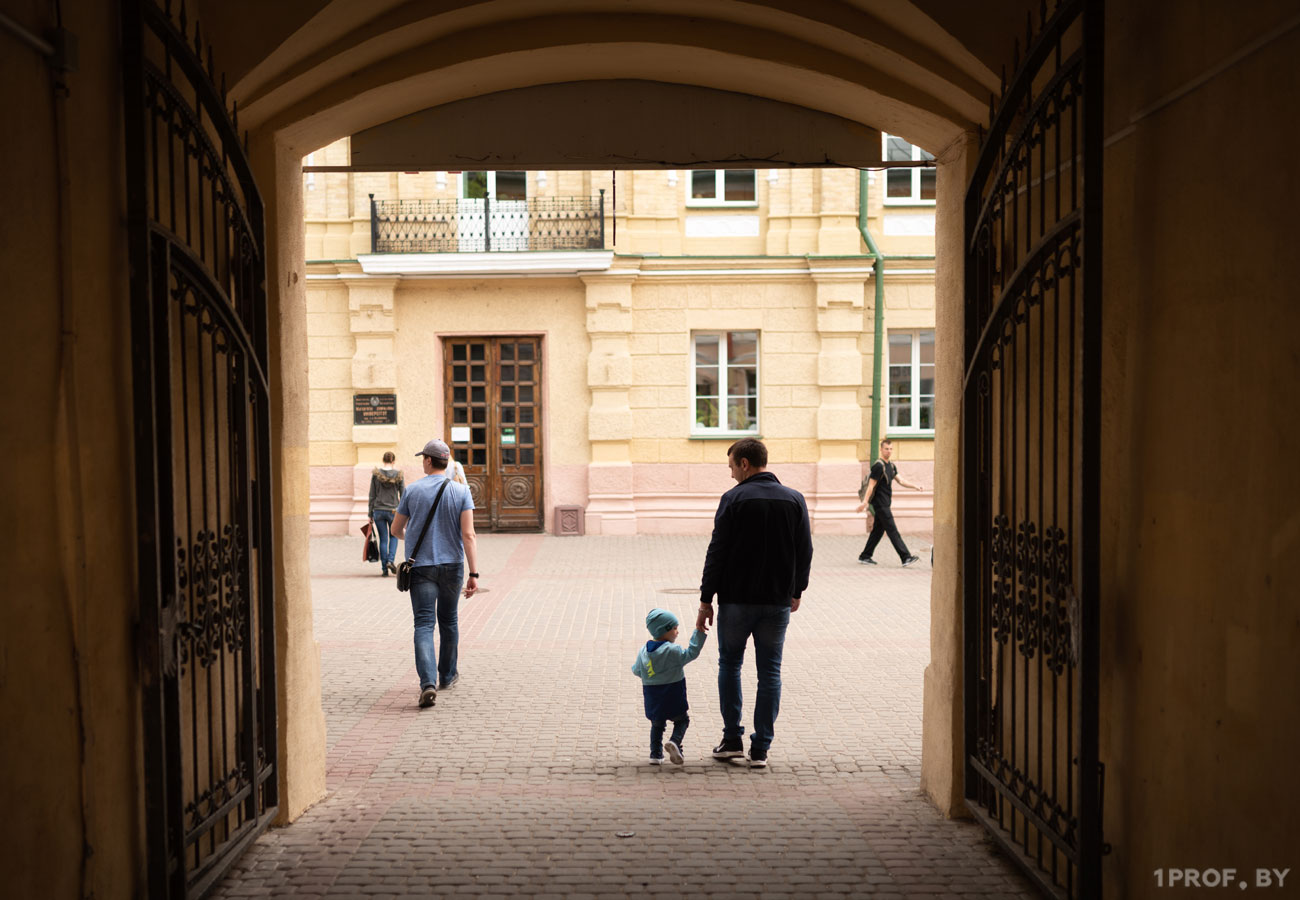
{"points": [[884, 473]]}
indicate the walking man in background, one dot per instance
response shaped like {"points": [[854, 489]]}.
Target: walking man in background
{"points": [[879, 493], [437, 565], [757, 565]]}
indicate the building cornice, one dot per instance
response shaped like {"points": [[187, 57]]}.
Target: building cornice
{"points": [[486, 265]]}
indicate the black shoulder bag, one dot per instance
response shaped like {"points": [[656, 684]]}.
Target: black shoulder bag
{"points": [[404, 570]]}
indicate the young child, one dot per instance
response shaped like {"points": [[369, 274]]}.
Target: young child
{"points": [[663, 683]]}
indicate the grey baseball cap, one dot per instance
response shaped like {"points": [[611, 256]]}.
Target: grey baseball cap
{"points": [[436, 449]]}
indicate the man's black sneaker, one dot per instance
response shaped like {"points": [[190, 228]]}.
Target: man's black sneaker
{"points": [[911, 559], [730, 748], [866, 561], [449, 682], [428, 697], [756, 759]]}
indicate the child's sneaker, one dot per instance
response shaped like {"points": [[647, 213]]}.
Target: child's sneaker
{"points": [[674, 752], [656, 760]]}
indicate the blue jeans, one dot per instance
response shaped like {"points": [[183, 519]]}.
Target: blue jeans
{"points": [[767, 624], [680, 724], [435, 597], [387, 543]]}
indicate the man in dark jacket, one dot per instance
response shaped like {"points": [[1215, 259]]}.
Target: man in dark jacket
{"points": [[757, 566]]}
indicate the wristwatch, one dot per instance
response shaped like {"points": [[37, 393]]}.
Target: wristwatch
{"points": [[473, 574]]}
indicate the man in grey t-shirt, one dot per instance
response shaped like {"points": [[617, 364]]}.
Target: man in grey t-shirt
{"points": [[437, 566]]}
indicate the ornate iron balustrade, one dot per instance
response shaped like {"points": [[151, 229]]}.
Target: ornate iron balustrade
{"points": [[486, 225]]}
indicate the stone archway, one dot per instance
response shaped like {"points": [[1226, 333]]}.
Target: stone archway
{"points": [[337, 77]]}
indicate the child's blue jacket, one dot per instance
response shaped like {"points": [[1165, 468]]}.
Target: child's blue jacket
{"points": [[659, 665]]}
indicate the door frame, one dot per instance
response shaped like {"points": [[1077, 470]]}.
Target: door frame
{"points": [[485, 518]]}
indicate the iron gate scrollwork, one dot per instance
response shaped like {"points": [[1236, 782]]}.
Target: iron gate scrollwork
{"points": [[202, 438], [1031, 401]]}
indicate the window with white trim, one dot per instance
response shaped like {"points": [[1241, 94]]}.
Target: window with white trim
{"points": [[911, 186], [722, 187], [911, 382], [724, 383]]}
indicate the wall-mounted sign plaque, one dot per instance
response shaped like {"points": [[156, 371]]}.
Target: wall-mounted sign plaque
{"points": [[374, 409]]}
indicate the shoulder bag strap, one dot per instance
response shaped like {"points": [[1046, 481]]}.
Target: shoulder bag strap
{"points": [[429, 521]]}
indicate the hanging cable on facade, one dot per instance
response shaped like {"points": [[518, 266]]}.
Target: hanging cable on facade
{"points": [[60, 52]]}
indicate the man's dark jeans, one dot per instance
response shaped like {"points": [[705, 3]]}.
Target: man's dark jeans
{"points": [[435, 598], [884, 524], [767, 624]]}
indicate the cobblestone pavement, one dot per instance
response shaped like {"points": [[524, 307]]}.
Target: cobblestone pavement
{"points": [[520, 781]]}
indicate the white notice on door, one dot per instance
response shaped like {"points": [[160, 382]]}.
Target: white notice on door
{"points": [[460, 434]]}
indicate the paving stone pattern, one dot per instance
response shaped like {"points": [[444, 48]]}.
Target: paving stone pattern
{"points": [[520, 781]]}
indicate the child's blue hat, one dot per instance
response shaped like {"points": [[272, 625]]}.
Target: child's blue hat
{"points": [[658, 621]]}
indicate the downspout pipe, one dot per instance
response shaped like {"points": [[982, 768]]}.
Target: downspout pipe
{"points": [[878, 273]]}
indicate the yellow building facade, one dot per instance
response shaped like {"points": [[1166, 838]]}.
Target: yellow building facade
{"points": [[670, 312]]}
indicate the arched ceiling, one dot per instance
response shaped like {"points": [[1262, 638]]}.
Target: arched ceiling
{"points": [[314, 70]]}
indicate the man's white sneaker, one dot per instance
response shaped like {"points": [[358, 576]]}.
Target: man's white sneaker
{"points": [[656, 760], [674, 752]]}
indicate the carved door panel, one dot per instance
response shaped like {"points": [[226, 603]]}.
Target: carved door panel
{"points": [[493, 391]]}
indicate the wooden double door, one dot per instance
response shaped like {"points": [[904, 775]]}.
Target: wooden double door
{"points": [[494, 411]]}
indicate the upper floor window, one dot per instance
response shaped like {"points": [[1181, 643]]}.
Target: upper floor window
{"points": [[914, 185], [724, 393], [722, 187], [911, 382], [494, 185]]}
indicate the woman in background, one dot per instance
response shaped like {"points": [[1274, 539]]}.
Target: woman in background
{"points": [[386, 486]]}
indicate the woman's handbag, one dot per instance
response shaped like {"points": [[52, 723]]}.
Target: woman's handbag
{"points": [[370, 550], [404, 570]]}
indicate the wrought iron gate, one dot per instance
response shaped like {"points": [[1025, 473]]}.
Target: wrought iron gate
{"points": [[202, 438], [1031, 402]]}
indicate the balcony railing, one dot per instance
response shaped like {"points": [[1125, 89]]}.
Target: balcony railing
{"points": [[486, 225]]}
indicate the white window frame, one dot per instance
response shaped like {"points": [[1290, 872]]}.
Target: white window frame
{"points": [[918, 155], [915, 399], [719, 190], [697, 430]]}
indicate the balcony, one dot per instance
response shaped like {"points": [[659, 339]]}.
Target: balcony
{"points": [[485, 225]]}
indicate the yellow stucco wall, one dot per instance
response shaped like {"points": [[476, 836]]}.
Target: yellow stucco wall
{"points": [[1199, 523], [70, 766], [789, 265]]}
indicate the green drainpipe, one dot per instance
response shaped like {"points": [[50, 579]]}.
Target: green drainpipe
{"points": [[879, 275]]}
